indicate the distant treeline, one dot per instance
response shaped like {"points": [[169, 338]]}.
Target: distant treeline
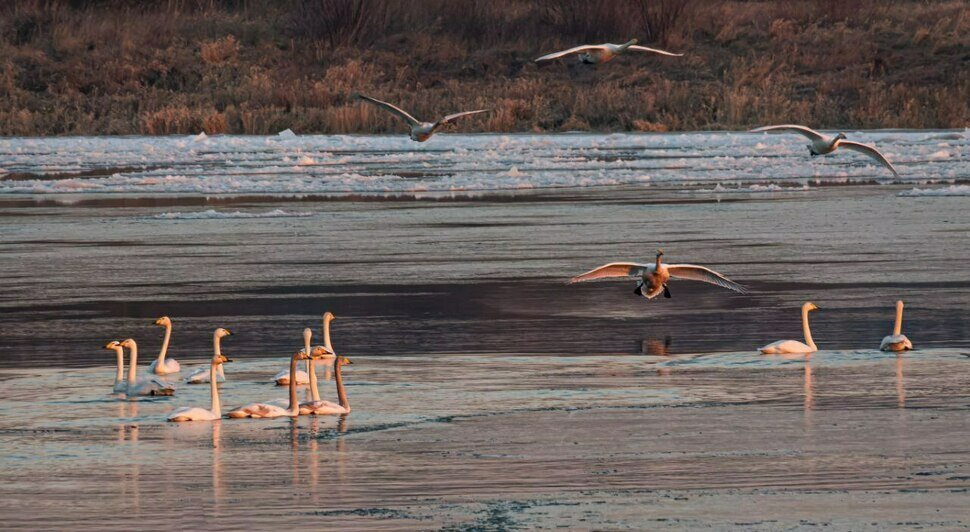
{"points": [[261, 66]]}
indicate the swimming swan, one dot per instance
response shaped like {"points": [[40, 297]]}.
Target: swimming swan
{"points": [[196, 413], [326, 350], [326, 408], [654, 277], [897, 341], [120, 385], [782, 347], [201, 376], [268, 409], [591, 54], [822, 144], [161, 365], [420, 131], [150, 385]]}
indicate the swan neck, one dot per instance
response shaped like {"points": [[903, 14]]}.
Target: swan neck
{"points": [[294, 404], [898, 326], [326, 336], [164, 351], [341, 393], [312, 371], [216, 347], [120, 374], [132, 364], [214, 388], [807, 330]]}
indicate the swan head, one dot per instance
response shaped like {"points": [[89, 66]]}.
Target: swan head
{"points": [[899, 305], [809, 306], [164, 321], [222, 333], [129, 343], [328, 316], [301, 355], [840, 136], [660, 253], [343, 361], [321, 352], [112, 345], [307, 334], [221, 359]]}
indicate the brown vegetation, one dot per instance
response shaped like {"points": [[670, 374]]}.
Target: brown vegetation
{"points": [[261, 66]]}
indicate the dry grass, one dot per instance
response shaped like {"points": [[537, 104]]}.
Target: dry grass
{"points": [[260, 66]]}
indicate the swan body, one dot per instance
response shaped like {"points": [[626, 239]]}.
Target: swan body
{"points": [[896, 341], [283, 377], [162, 365], [150, 385], [654, 277], [591, 54], [202, 376], [420, 131], [120, 386], [269, 409], [215, 411], [820, 144], [785, 347]]}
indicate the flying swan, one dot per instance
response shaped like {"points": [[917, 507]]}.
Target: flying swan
{"points": [[591, 54], [150, 385], [120, 385], [654, 277], [897, 341], [268, 409], [161, 365], [196, 413], [420, 131], [823, 145], [785, 347]]}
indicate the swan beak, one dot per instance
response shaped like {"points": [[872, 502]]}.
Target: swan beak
{"points": [[224, 360], [666, 292], [109, 345], [638, 290], [228, 332], [347, 361]]}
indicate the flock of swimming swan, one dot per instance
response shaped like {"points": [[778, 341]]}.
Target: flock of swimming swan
{"points": [[153, 385], [592, 54]]}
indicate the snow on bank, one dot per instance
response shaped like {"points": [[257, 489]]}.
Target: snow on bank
{"points": [[212, 214], [952, 190]]}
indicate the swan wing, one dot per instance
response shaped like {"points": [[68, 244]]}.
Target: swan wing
{"points": [[576, 50], [452, 117], [790, 128], [653, 50], [707, 275], [870, 151], [393, 109], [613, 269]]}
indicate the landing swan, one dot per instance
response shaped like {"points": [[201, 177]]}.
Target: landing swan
{"points": [[897, 341], [150, 385], [120, 385], [591, 54], [822, 144], [654, 277], [268, 410], [783, 347], [161, 365], [186, 413], [420, 131]]}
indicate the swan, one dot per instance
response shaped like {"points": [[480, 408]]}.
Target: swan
{"points": [[783, 347], [420, 131], [150, 385], [897, 341], [120, 385], [325, 408], [591, 54], [161, 365], [823, 145], [654, 277], [326, 350], [196, 413], [267, 410], [201, 376]]}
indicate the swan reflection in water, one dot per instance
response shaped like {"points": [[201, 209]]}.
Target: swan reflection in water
{"points": [[900, 382], [656, 347]]}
